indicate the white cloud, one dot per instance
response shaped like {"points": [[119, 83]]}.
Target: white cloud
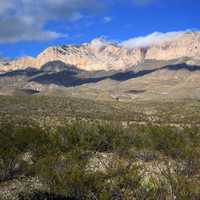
{"points": [[156, 38], [25, 20], [107, 19]]}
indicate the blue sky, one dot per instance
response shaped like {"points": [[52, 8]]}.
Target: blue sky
{"points": [[29, 26]]}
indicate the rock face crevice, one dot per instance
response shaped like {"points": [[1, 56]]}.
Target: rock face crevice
{"points": [[102, 55]]}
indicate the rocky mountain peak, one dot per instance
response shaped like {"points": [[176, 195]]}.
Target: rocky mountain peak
{"points": [[98, 43], [185, 44], [102, 55]]}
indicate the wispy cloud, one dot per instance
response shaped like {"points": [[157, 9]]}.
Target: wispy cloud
{"points": [[107, 19], [156, 38]]}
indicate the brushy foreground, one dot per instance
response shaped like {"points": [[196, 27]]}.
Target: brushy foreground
{"points": [[99, 161]]}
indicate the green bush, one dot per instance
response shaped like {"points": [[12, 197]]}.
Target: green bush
{"points": [[141, 162]]}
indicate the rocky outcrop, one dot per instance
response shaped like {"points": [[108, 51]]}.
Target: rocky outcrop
{"points": [[18, 64], [102, 55], [186, 45], [97, 55]]}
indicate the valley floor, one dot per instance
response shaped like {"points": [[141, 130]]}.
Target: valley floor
{"points": [[52, 110]]}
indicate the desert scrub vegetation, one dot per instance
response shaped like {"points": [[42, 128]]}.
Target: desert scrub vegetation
{"points": [[101, 160], [57, 110]]}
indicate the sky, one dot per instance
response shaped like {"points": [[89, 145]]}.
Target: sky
{"points": [[29, 26]]}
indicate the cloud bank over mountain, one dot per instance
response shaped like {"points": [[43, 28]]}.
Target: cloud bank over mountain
{"points": [[156, 38]]}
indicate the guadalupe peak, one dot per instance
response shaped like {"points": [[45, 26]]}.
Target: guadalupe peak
{"points": [[102, 55]]}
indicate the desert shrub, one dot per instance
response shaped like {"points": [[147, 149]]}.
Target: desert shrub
{"points": [[37, 195], [180, 153], [66, 174], [96, 137], [17, 141], [143, 162], [11, 147]]}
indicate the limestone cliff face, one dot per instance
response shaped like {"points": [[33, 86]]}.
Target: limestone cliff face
{"points": [[19, 64], [97, 55], [186, 45], [24, 62], [101, 55]]}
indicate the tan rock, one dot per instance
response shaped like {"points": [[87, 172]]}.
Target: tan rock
{"points": [[187, 45], [96, 55], [101, 55]]}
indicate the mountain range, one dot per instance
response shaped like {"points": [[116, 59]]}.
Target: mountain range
{"points": [[163, 69]]}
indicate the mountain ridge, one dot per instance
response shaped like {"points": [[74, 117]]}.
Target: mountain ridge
{"points": [[102, 55]]}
